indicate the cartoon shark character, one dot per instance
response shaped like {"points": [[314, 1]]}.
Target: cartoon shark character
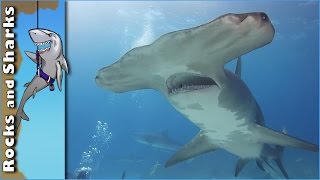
{"points": [[50, 55], [187, 67]]}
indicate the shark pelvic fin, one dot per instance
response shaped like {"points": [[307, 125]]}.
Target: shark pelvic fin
{"points": [[26, 84], [281, 167], [199, 145], [260, 164], [266, 161], [241, 163], [34, 92], [238, 67], [278, 161], [59, 75], [270, 136]]}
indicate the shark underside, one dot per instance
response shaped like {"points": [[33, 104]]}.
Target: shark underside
{"points": [[187, 67]]}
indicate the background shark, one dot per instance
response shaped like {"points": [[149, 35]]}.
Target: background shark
{"points": [[158, 140], [187, 67], [52, 62]]}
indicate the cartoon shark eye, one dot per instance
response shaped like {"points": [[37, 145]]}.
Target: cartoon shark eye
{"points": [[50, 35]]}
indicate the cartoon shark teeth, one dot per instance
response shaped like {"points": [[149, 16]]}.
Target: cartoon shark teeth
{"points": [[42, 43]]}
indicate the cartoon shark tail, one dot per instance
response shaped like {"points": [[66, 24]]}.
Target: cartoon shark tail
{"points": [[20, 115]]}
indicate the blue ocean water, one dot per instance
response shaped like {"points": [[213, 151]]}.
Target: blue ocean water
{"points": [[282, 76]]}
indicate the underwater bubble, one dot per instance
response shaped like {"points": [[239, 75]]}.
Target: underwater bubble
{"points": [[97, 146]]}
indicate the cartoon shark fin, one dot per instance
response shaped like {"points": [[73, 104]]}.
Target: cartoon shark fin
{"points": [[241, 163], [32, 56], [24, 116], [34, 92], [238, 67], [59, 75], [270, 136], [26, 84], [199, 145], [64, 64]]}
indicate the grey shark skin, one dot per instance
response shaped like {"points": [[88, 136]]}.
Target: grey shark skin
{"points": [[187, 66], [52, 60], [157, 140]]}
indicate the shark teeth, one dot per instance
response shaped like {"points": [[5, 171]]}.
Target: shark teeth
{"points": [[45, 49], [42, 43], [187, 88]]}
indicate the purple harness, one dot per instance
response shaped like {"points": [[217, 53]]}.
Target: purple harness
{"points": [[45, 76], [42, 74]]}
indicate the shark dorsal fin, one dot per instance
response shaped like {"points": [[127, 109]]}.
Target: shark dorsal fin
{"points": [[238, 67]]}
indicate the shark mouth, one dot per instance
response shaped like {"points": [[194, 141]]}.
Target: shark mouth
{"points": [[43, 46], [186, 82]]}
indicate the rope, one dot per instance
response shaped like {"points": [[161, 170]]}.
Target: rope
{"points": [[37, 52]]}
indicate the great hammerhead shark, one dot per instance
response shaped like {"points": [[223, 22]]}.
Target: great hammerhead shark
{"points": [[187, 67], [50, 60]]}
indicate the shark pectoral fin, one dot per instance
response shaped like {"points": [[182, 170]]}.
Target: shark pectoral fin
{"points": [[241, 163], [238, 67], [270, 136], [59, 75], [64, 65], [26, 84], [24, 116], [34, 92], [260, 164], [32, 56], [281, 167], [199, 145]]}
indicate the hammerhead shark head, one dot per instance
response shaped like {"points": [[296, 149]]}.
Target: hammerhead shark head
{"points": [[187, 67], [50, 56]]}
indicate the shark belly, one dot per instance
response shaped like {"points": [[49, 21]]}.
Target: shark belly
{"points": [[222, 126]]}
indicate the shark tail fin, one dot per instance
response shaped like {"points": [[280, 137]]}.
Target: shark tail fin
{"points": [[199, 145], [270, 136], [20, 115], [24, 116]]}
